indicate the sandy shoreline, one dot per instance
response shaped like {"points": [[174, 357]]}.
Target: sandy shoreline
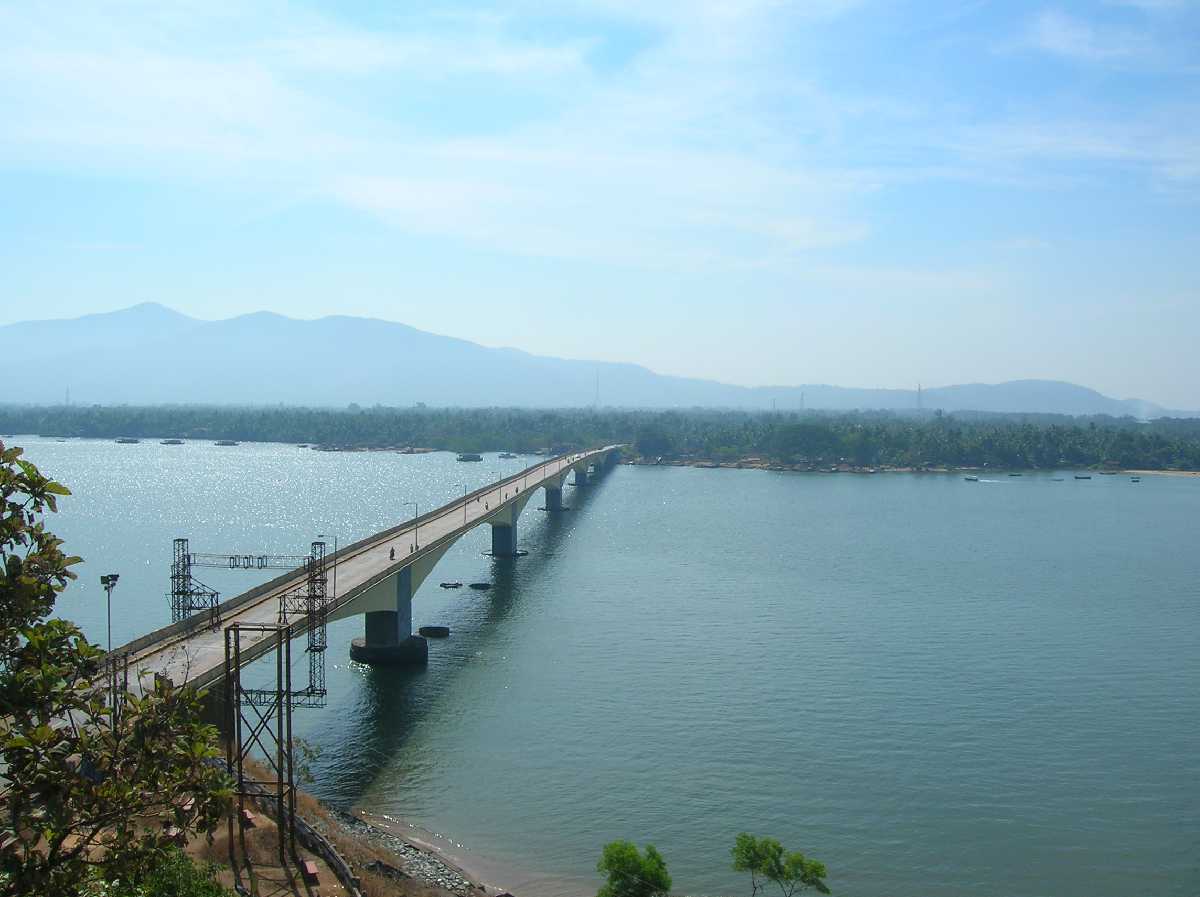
{"points": [[1163, 473], [759, 464]]}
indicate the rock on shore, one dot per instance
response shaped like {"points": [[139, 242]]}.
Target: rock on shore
{"points": [[413, 861]]}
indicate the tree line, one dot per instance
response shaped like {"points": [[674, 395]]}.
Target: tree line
{"points": [[859, 438]]}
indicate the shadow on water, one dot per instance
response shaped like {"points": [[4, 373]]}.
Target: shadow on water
{"points": [[393, 702]]}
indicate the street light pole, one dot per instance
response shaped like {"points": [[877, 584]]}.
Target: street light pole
{"points": [[109, 582], [463, 487], [416, 526], [335, 560]]}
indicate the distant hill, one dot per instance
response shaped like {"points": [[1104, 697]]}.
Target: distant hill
{"points": [[150, 354]]}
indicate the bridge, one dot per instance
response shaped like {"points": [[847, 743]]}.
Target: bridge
{"points": [[376, 578]]}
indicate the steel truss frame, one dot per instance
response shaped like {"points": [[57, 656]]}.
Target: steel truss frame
{"points": [[259, 720], [311, 602], [189, 595]]}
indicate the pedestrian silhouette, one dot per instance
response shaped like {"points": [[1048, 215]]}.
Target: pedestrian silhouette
{"points": [[392, 555]]}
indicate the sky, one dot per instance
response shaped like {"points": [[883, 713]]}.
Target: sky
{"points": [[871, 193]]}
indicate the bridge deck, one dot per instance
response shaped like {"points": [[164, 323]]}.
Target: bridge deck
{"points": [[198, 655]]}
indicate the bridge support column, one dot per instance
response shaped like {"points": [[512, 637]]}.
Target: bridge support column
{"points": [[504, 540], [581, 476], [554, 498], [388, 640]]}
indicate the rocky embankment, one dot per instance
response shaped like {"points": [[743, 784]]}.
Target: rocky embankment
{"points": [[411, 861]]}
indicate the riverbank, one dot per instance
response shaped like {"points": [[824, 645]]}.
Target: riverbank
{"points": [[893, 439], [842, 467], [415, 857], [1164, 473]]}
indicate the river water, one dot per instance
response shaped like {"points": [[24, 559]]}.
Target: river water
{"points": [[935, 687]]}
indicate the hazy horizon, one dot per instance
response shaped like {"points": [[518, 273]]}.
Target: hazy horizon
{"points": [[149, 354], [845, 192]]}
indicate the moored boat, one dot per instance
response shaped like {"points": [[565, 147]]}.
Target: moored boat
{"points": [[1083, 476], [127, 440], [171, 442], [971, 479], [469, 456]]}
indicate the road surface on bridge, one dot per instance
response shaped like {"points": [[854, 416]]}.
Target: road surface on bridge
{"points": [[198, 655]]}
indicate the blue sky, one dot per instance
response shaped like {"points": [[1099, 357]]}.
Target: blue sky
{"points": [[863, 193]]}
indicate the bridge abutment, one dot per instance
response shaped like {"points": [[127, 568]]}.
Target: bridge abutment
{"points": [[388, 638]]}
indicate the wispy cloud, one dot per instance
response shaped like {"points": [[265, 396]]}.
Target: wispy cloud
{"points": [[655, 164], [1063, 35], [1151, 6], [710, 145]]}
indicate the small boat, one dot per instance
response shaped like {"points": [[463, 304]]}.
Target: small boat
{"points": [[1135, 479], [1083, 476], [507, 455], [224, 442], [1015, 474], [469, 456], [1056, 479], [60, 439], [971, 479], [453, 584], [480, 586], [171, 442], [125, 440], [434, 631]]}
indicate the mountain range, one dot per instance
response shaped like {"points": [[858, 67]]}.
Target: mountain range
{"points": [[151, 354]]}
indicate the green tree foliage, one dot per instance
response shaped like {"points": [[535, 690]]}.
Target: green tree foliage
{"points": [[85, 794], [175, 875], [863, 438], [632, 874], [768, 863]]}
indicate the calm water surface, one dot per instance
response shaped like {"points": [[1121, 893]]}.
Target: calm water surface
{"points": [[936, 687]]}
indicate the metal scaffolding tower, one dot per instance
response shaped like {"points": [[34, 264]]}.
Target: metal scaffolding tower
{"points": [[311, 602], [259, 724], [189, 595]]}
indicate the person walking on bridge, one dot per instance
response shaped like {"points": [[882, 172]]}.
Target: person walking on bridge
{"points": [[392, 554]]}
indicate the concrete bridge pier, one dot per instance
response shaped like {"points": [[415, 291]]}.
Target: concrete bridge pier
{"points": [[504, 526], [504, 539], [581, 475], [388, 640], [554, 488]]}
